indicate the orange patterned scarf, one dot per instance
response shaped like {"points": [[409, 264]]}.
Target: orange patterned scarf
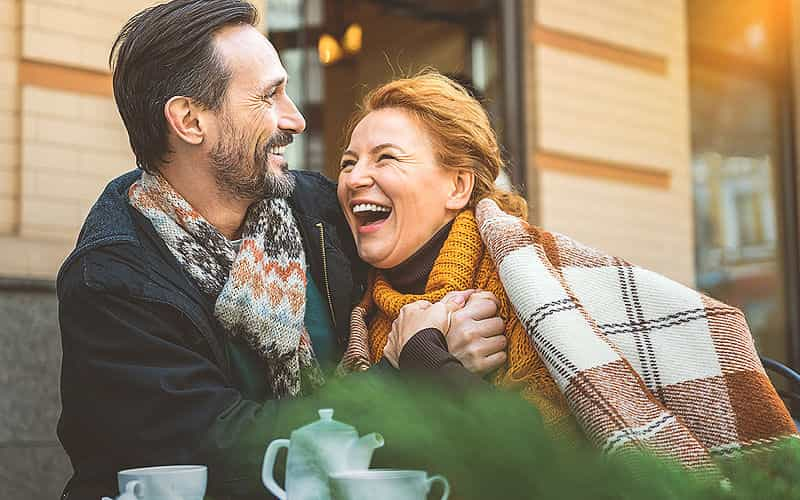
{"points": [[462, 264]]}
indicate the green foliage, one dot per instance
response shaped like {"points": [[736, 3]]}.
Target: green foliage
{"points": [[491, 444]]}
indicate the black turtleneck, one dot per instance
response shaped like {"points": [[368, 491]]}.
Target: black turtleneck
{"points": [[411, 275]]}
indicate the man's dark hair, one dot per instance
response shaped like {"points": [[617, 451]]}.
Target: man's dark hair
{"points": [[165, 51]]}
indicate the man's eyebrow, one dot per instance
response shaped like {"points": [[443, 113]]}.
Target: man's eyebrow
{"points": [[274, 84]]}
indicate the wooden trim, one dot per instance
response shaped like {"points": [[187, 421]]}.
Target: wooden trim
{"points": [[602, 169], [706, 57], [599, 49], [65, 78]]}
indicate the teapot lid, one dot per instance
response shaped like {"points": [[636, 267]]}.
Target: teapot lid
{"points": [[326, 423]]}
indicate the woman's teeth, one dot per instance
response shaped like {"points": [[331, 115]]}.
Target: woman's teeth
{"points": [[369, 207], [277, 150]]}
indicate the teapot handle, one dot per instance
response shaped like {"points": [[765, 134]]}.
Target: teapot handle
{"points": [[445, 485], [269, 467]]}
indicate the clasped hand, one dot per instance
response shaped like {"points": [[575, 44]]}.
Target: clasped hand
{"points": [[469, 321]]}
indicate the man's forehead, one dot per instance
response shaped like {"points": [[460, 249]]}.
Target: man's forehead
{"points": [[249, 55]]}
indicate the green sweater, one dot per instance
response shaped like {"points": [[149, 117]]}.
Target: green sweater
{"points": [[248, 368]]}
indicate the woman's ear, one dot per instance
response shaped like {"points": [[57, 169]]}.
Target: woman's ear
{"points": [[185, 120], [462, 184]]}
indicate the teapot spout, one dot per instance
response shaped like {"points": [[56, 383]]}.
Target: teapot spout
{"points": [[360, 453]]}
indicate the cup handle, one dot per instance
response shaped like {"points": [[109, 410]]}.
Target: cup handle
{"points": [[445, 485], [269, 467], [133, 490]]}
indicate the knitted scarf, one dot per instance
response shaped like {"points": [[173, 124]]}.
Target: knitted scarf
{"points": [[260, 291], [463, 263], [643, 362]]}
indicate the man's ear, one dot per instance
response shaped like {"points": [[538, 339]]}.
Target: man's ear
{"points": [[463, 181], [185, 120]]}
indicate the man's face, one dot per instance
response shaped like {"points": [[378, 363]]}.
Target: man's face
{"points": [[256, 121]]}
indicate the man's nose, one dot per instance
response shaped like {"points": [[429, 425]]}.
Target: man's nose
{"points": [[290, 119]]}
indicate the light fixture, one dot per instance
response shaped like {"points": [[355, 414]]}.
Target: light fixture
{"points": [[329, 49], [351, 41], [332, 51]]}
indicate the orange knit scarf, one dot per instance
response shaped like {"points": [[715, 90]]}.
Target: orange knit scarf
{"points": [[462, 264]]}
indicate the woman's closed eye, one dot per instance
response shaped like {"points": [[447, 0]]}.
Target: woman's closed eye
{"points": [[347, 164], [386, 156]]}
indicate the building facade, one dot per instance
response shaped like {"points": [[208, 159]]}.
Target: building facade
{"points": [[662, 132]]}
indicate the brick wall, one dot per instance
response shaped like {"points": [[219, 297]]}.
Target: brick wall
{"points": [[58, 148], [74, 32], [59, 143], [73, 144], [9, 113], [607, 111]]}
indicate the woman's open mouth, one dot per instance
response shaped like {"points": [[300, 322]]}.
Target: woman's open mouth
{"points": [[370, 216]]}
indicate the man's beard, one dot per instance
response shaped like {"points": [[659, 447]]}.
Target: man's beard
{"points": [[245, 174]]}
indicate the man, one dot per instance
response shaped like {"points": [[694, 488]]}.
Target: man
{"points": [[200, 283]]}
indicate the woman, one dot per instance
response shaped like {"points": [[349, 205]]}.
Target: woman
{"points": [[417, 187], [406, 210]]}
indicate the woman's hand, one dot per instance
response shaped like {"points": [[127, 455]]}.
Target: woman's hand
{"points": [[416, 317]]}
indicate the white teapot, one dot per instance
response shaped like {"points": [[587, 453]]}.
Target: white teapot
{"points": [[316, 450]]}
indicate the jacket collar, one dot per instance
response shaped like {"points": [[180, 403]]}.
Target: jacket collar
{"points": [[109, 221]]}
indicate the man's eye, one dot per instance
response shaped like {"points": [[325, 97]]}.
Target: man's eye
{"points": [[270, 95]]}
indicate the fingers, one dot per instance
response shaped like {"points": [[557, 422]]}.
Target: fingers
{"points": [[390, 351], [492, 345], [419, 305], [480, 308], [492, 362], [420, 315], [488, 327], [459, 297], [451, 306], [480, 295]]}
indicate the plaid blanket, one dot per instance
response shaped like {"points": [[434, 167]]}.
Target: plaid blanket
{"points": [[645, 363]]}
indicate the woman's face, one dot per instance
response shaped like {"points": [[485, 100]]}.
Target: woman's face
{"points": [[393, 191]]}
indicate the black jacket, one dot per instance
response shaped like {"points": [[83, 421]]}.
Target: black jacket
{"points": [[145, 377]]}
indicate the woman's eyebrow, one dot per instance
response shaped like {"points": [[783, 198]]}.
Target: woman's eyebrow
{"points": [[374, 150], [385, 145]]}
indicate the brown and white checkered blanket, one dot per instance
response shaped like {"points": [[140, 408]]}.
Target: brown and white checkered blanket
{"points": [[645, 363]]}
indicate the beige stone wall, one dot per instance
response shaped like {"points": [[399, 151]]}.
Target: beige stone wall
{"points": [[9, 113], [57, 148], [608, 107], [74, 32], [73, 144], [60, 141]]}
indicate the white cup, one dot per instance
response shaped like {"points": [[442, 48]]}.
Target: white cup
{"points": [[169, 482], [386, 484]]}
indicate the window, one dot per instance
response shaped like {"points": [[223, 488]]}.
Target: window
{"points": [[397, 37], [743, 231]]}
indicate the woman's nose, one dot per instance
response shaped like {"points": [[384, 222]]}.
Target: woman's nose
{"points": [[359, 176]]}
